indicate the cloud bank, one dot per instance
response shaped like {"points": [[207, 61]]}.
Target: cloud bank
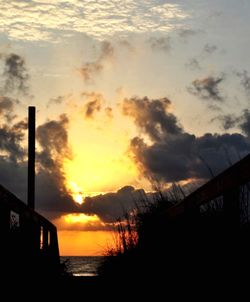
{"points": [[173, 154]]}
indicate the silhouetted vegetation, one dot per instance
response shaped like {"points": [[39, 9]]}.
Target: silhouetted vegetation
{"points": [[151, 245], [138, 235]]}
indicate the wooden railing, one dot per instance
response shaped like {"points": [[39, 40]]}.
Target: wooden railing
{"points": [[26, 236], [226, 184]]}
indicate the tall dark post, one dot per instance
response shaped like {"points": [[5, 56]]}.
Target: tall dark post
{"points": [[31, 156]]}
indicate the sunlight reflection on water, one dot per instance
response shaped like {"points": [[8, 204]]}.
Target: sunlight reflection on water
{"points": [[83, 266]]}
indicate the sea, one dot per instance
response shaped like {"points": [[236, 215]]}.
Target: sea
{"points": [[82, 266]]}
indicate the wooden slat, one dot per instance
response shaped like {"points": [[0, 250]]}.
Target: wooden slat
{"points": [[238, 174]]}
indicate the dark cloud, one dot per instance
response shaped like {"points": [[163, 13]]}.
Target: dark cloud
{"points": [[241, 121], [93, 103], [52, 198], [15, 74], [174, 154], [160, 43], [186, 156], [90, 69], [196, 62], [244, 80], [53, 139], [12, 149], [6, 104], [228, 121], [13, 176], [209, 49], [11, 138], [245, 122], [6, 108], [207, 88], [111, 206], [58, 100], [91, 107], [152, 116], [193, 64], [186, 33], [52, 194]]}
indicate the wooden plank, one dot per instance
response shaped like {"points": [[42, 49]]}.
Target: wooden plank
{"points": [[238, 174]]}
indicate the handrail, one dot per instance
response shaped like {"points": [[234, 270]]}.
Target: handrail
{"points": [[33, 229], [230, 179]]}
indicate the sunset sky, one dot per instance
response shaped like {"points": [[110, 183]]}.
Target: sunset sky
{"points": [[126, 92]]}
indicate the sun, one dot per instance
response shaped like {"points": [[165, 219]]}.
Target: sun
{"points": [[78, 198], [76, 192], [100, 162]]}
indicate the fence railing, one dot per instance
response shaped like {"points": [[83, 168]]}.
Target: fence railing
{"points": [[226, 184], [26, 235]]}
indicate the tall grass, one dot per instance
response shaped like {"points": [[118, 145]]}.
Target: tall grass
{"points": [[133, 236], [148, 244]]}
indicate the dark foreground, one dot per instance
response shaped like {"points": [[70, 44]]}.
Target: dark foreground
{"points": [[159, 288]]}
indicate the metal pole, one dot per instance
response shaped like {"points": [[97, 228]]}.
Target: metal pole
{"points": [[31, 156]]}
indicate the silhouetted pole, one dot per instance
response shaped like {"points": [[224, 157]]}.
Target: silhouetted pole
{"points": [[31, 156]]}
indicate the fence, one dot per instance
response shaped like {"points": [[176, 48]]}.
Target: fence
{"points": [[227, 184], [28, 240]]}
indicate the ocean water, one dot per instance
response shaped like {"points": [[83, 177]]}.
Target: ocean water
{"points": [[82, 266]]}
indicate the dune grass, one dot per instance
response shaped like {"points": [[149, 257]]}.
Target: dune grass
{"points": [[148, 244]]}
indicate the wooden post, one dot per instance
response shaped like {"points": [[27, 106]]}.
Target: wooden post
{"points": [[31, 156]]}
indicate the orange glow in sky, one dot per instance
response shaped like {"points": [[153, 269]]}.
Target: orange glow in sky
{"points": [[80, 235], [80, 218], [79, 221], [88, 243]]}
